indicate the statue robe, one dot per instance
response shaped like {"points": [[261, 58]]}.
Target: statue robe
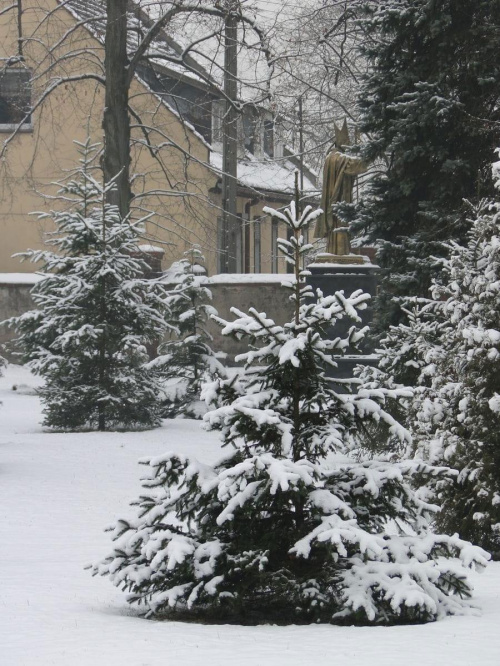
{"points": [[339, 174]]}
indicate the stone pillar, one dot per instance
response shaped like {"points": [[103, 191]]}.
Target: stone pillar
{"points": [[348, 278]]}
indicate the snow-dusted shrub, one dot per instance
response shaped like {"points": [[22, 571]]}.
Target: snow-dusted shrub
{"points": [[95, 315], [186, 361], [297, 522]]}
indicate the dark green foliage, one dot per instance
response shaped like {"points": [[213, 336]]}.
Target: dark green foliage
{"points": [[430, 109], [449, 352], [465, 393]]}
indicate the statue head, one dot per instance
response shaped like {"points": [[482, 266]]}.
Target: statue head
{"points": [[342, 136]]}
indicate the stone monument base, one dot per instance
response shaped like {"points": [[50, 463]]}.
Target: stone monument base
{"points": [[347, 277], [340, 259]]}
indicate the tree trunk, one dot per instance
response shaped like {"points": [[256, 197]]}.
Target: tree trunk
{"points": [[116, 121]]}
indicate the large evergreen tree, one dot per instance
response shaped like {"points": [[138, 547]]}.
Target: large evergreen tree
{"points": [[430, 108], [464, 401], [450, 352], [297, 522], [407, 358], [95, 314]]}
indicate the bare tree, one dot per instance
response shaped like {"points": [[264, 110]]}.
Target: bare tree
{"points": [[317, 71]]}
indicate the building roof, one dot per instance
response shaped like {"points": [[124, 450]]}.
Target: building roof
{"points": [[263, 175]]}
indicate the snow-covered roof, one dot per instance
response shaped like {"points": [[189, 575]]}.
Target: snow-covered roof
{"points": [[265, 174], [93, 12]]}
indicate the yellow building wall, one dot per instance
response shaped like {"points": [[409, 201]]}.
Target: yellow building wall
{"points": [[176, 185]]}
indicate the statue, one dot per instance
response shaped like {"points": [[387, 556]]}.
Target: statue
{"points": [[339, 174]]}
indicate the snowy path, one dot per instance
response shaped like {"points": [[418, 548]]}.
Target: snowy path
{"points": [[58, 491]]}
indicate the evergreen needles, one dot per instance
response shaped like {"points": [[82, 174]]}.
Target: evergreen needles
{"points": [[430, 107], [95, 314], [449, 349], [186, 360], [297, 522]]}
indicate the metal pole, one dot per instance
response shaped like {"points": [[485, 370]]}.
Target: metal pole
{"points": [[301, 146]]}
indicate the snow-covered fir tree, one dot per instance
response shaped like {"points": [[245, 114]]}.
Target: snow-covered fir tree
{"points": [[408, 356], [464, 405], [430, 107], [297, 522], [187, 359], [95, 314], [450, 353]]}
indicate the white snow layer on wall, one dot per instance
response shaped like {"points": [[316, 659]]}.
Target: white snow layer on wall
{"points": [[20, 278]]}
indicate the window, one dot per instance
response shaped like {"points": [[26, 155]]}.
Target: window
{"points": [[15, 97], [269, 137], [274, 245], [256, 246], [249, 130]]}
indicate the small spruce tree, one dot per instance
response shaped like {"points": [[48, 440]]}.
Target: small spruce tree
{"points": [[297, 522], [95, 314], [186, 360]]}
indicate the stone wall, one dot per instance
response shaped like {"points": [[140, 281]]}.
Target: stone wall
{"points": [[262, 292], [14, 300], [265, 295]]}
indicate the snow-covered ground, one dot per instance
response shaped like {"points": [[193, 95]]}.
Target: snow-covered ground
{"points": [[58, 491]]}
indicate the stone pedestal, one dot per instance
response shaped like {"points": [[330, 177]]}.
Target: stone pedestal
{"points": [[342, 259], [348, 277]]}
